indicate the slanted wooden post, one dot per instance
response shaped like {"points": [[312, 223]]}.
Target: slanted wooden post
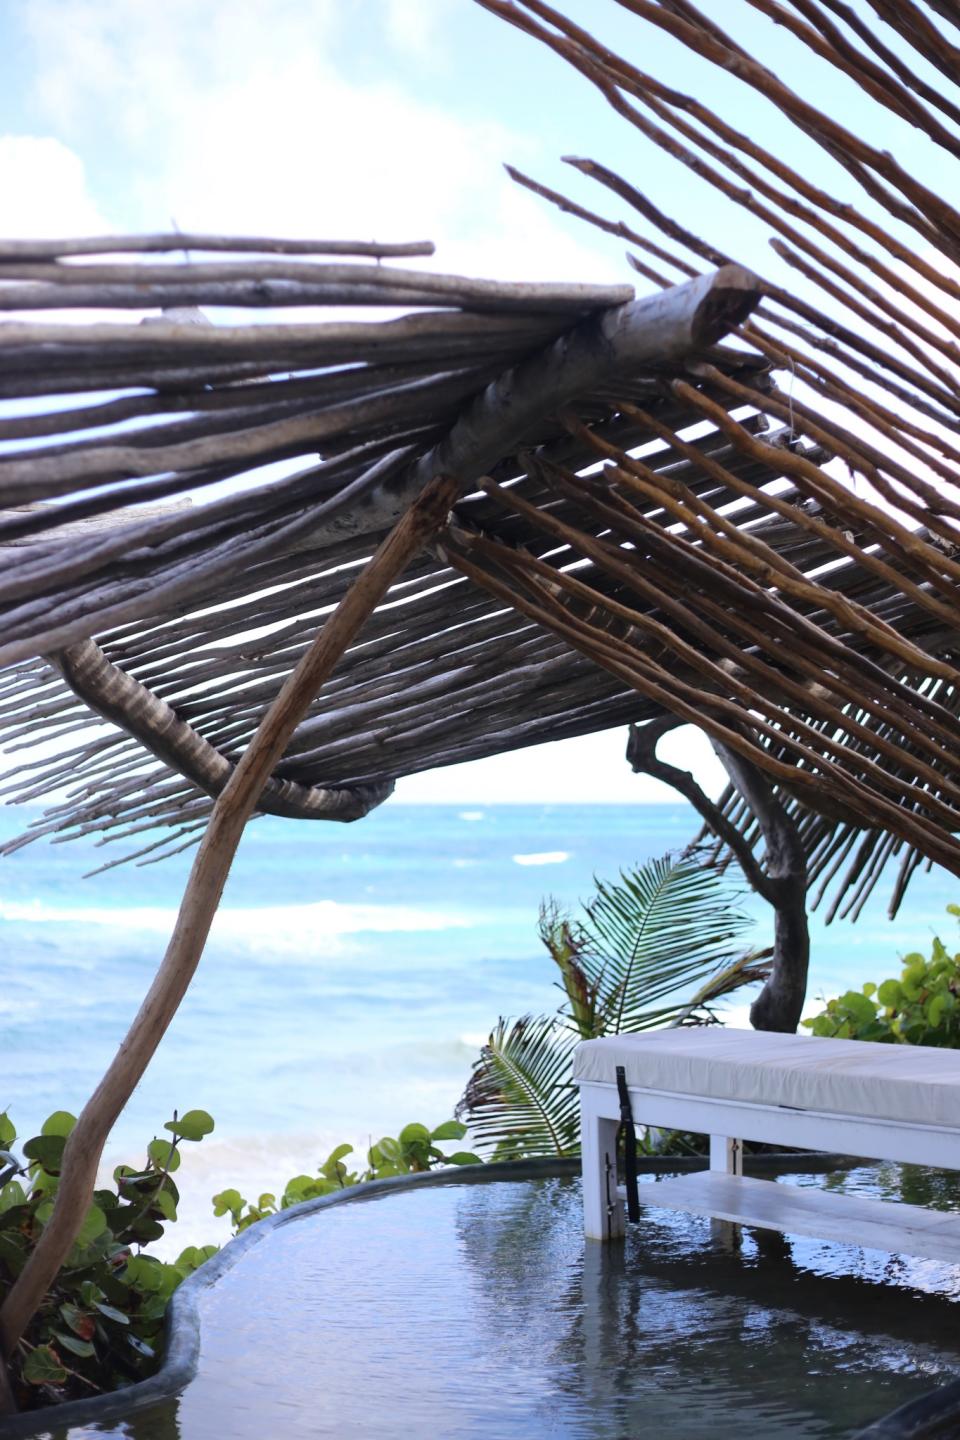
{"points": [[726, 1155], [603, 1215], [201, 898]]}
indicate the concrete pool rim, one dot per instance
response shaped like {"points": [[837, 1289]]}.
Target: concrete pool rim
{"points": [[919, 1418]]}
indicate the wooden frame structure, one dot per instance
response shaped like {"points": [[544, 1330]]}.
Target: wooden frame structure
{"points": [[723, 1192], [643, 515]]}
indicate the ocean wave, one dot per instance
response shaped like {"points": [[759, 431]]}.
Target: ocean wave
{"points": [[321, 918], [543, 857]]}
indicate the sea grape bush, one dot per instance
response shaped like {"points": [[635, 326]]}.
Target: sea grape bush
{"points": [[922, 1007], [100, 1325], [415, 1149]]}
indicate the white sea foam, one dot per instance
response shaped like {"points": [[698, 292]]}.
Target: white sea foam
{"points": [[472, 815], [543, 857], [323, 918]]}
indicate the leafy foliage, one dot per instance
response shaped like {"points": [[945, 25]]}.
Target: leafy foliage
{"points": [[921, 1008], [655, 948], [665, 927], [520, 1098], [414, 1150], [100, 1324]]}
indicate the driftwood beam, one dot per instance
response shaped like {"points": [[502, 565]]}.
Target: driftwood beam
{"points": [[22, 250], [121, 699], [232, 809], [268, 283]]}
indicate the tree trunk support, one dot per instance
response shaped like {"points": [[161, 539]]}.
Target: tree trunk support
{"points": [[201, 898], [783, 881]]}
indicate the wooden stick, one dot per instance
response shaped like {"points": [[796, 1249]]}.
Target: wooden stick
{"points": [[16, 250], [201, 898]]}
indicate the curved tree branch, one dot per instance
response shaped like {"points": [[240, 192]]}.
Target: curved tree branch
{"points": [[124, 701], [781, 880], [232, 809], [780, 1002], [643, 759]]}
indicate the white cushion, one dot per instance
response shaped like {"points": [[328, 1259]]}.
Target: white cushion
{"points": [[912, 1083]]}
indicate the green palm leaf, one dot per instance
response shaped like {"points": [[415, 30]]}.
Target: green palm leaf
{"points": [[654, 949], [519, 1099], [662, 931]]}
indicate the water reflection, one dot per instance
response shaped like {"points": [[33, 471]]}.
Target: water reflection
{"points": [[160, 1422], [795, 1336], [476, 1310]]}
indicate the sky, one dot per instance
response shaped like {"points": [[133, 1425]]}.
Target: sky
{"points": [[386, 119]]}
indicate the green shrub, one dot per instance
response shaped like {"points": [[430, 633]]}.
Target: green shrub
{"points": [[922, 1007], [100, 1324], [415, 1149]]}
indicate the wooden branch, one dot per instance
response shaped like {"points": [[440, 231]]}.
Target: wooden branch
{"points": [[19, 250], [269, 283], [642, 759], [122, 700], [780, 1002], [208, 876], [651, 332]]}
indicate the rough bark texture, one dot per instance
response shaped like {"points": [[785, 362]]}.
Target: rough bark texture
{"points": [[233, 808], [780, 1002], [781, 881], [124, 701]]}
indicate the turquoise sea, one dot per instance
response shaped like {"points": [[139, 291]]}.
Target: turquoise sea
{"points": [[351, 975]]}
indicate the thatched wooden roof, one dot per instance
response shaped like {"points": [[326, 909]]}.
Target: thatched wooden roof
{"points": [[650, 524]]}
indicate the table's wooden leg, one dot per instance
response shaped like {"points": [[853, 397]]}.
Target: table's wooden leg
{"points": [[726, 1155], [602, 1210]]}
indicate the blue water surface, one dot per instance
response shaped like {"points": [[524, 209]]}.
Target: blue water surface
{"points": [[353, 969]]}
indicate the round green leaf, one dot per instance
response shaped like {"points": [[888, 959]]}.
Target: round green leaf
{"points": [[94, 1224], [890, 993], [388, 1148], [166, 1204], [934, 1009], [192, 1126], [83, 1348], [61, 1122], [110, 1312], [449, 1130], [164, 1155], [143, 1272], [413, 1135], [78, 1320], [47, 1150], [464, 1157], [226, 1200], [42, 1367], [11, 1194]]}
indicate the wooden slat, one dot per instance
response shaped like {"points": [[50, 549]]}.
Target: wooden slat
{"points": [[874, 1224]]}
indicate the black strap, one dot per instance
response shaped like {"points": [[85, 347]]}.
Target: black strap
{"points": [[629, 1133]]}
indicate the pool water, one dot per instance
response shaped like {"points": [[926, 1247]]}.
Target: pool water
{"points": [[476, 1309]]}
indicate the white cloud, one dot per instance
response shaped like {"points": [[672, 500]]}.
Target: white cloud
{"points": [[43, 190], [249, 123]]}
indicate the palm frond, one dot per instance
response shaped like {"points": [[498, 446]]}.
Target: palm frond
{"points": [[667, 927], [519, 1099], [558, 936], [749, 969]]}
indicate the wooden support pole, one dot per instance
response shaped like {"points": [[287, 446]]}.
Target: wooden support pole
{"points": [[201, 898]]}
